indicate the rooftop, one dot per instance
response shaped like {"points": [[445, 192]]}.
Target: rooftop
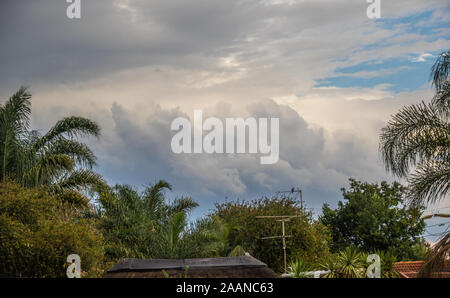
{"points": [[411, 269], [181, 264]]}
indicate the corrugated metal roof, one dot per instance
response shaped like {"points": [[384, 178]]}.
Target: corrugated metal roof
{"points": [[206, 263]]}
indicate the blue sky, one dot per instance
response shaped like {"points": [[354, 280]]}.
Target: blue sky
{"points": [[399, 74]]}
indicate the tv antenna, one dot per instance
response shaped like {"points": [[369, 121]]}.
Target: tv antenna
{"points": [[284, 219], [292, 191]]}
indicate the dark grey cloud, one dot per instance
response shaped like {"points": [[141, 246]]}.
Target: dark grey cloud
{"points": [[140, 153], [40, 44]]}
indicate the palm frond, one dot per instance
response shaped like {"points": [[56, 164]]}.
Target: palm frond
{"points": [[440, 70], [14, 123], [173, 231], [45, 168], [442, 99], [70, 127], [438, 260], [73, 198], [79, 152], [430, 182], [185, 204], [17, 110], [154, 197], [414, 133], [81, 180]]}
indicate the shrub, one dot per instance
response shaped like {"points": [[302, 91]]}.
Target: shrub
{"points": [[36, 238], [309, 239]]}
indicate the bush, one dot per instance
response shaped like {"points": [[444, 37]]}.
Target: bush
{"points": [[36, 237], [309, 240], [351, 263]]}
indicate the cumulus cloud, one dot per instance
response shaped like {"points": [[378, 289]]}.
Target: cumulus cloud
{"points": [[318, 155], [422, 57]]}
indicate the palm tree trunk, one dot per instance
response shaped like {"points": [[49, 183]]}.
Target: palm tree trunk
{"points": [[5, 145]]}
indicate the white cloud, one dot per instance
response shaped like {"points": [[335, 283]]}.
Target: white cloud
{"points": [[422, 57]]}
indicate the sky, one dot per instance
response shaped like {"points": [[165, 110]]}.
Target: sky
{"points": [[332, 75]]}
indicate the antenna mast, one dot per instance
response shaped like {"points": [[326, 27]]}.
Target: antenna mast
{"points": [[283, 219]]}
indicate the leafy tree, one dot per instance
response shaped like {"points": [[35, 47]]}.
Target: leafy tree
{"points": [[213, 236], [309, 240], [416, 144], [372, 218], [124, 223], [144, 225], [55, 160], [36, 237]]}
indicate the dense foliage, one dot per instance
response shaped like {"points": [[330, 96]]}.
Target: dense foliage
{"points": [[352, 263], [145, 225], [36, 235], [309, 239], [373, 218]]}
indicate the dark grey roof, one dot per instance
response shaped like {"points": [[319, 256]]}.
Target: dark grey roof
{"points": [[207, 263]]}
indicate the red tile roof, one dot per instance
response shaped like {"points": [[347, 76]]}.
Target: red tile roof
{"points": [[411, 269]]}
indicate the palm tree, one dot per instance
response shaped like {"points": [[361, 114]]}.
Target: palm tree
{"points": [[172, 235], [416, 145], [55, 161], [155, 201], [144, 225], [216, 234]]}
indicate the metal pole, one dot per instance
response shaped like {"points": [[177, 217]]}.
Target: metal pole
{"points": [[283, 219], [301, 200], [284, 246]]}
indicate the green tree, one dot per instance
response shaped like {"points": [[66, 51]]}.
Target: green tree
{"points": [[36, 237], [416, 145], [372, 218], [55, 160], [145, 225], [309, 240], [212, 236]]}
